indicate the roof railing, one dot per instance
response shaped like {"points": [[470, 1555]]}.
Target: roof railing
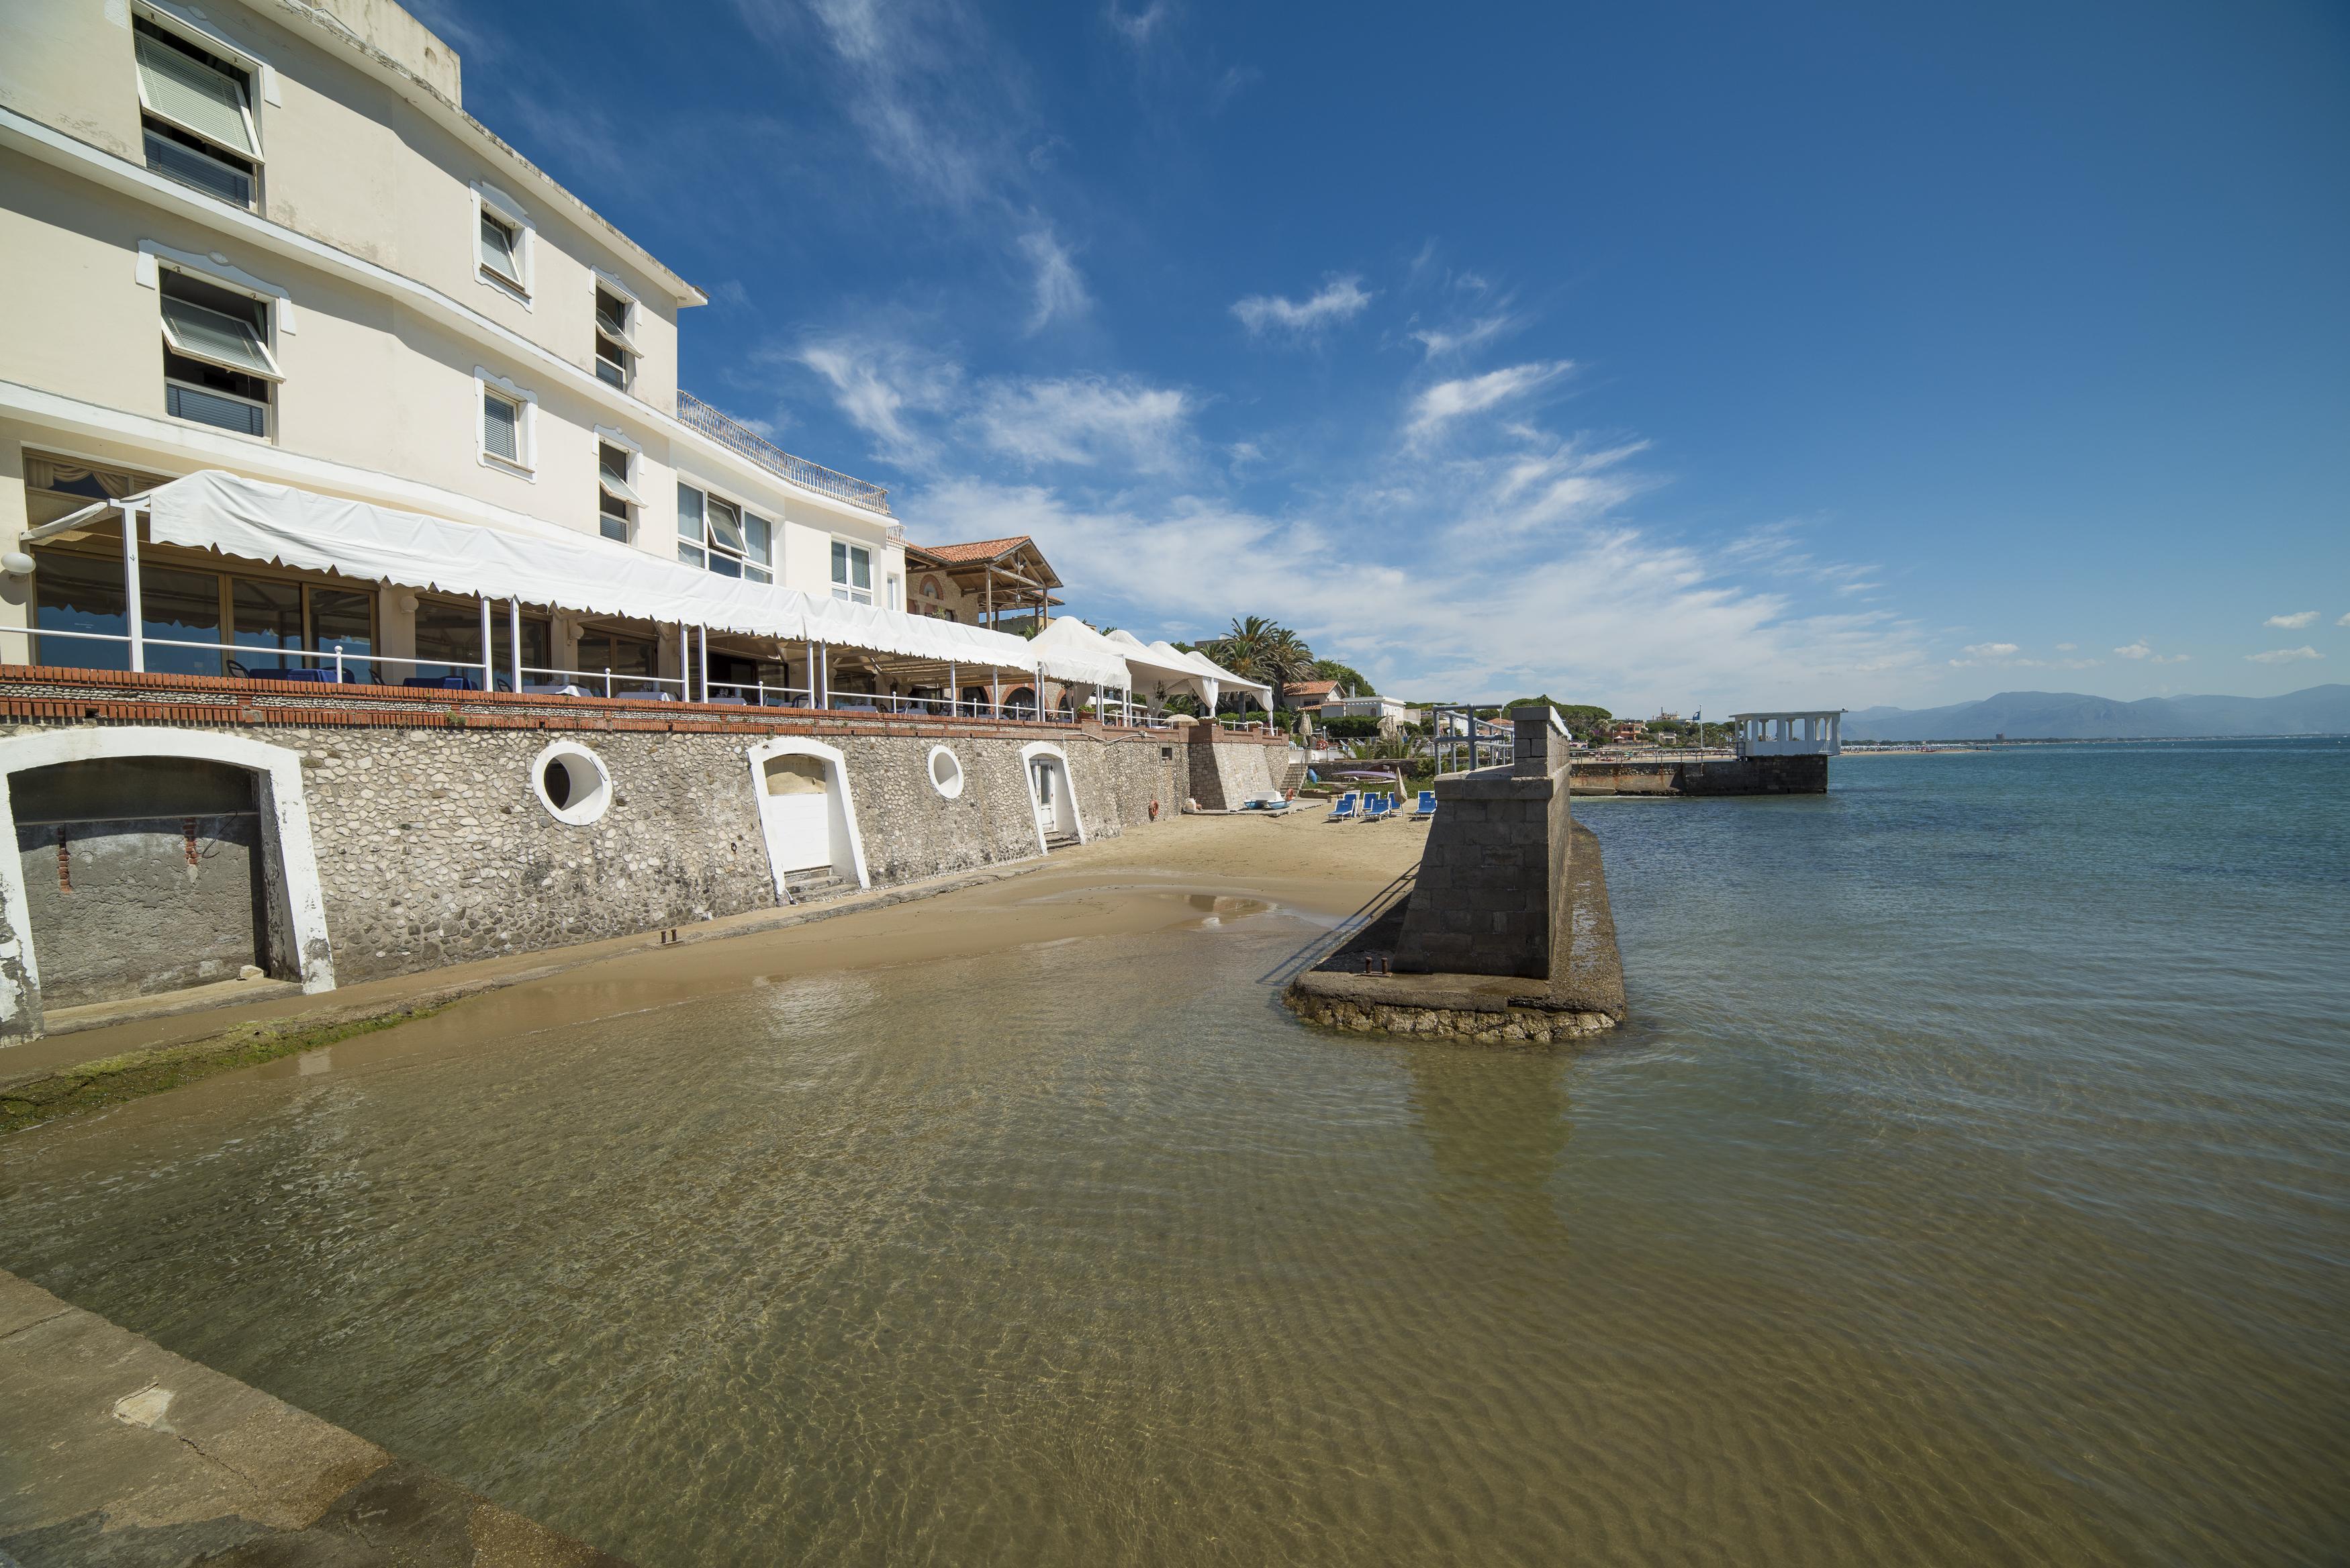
{"points": [[736, 436]]}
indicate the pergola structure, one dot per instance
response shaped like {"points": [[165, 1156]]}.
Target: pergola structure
{"points": [[998, 577]]}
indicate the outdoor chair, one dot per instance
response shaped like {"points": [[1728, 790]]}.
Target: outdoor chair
{"points": [[1427, 807], [1345, 810], [1375, 807]]}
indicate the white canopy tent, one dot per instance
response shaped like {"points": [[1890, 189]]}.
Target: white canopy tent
{"points": [[1070, 650], [1224, 678], [1160, 670], [263, 522]]}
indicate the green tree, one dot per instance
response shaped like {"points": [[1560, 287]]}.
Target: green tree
{"points": [[1263, 651], [1345, 675]]}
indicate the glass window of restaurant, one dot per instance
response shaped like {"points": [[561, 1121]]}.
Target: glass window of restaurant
{"points": [[623, 656], [272, 623]]}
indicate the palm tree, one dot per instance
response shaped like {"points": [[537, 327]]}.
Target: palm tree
{"points": [[1264, 651]]}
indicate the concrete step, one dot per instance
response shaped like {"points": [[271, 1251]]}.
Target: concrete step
{"points": [[1294, 779], [1060, 841], [815, 887]]}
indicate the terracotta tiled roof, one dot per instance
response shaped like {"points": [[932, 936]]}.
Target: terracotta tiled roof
{"points": [[1312, 688], [976, 551]]}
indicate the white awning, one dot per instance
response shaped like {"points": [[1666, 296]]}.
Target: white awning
{"points": [[1158, 668], [1069, 649], [262, 522], [1224, 677]]}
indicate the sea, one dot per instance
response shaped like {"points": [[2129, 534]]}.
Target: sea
{"points": [[1967, 1185]]}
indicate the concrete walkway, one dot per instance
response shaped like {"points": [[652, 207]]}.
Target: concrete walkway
{"points": [[115, 1453]]}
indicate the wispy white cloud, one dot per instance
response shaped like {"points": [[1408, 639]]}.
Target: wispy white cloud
{"points": [[2283, 655], [2141, 651], [882, 386], [1341, 299], [1988, 649], [1235, 80], [1441, 343], [1138, 27], [1060, 287], [2293, 622], [1449, 400], [2344, 621], [2066, 647], [1086, 421]]}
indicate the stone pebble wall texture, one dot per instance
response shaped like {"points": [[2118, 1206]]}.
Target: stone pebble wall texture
{"points": [[432, 847], [1516, 1025]]}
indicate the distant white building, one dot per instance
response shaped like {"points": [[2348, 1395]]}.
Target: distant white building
{"points": [[1809, 733]]}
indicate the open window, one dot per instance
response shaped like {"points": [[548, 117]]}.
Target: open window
{"points": [[616, 345], [721, 536], [504, 242], [218, 366], [615, 487], [195, 114]]}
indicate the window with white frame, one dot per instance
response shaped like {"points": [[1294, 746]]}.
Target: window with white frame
{"points": [[616, 491], [504, 242], [218, 366], [507, 426], [852, 572], [616, 345], [196, 113], [719, 536]]}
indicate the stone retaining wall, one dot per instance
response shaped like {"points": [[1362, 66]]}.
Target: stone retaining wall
{"points": [[432, 846]]}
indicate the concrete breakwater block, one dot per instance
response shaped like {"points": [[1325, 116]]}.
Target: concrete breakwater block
{"points": [[1582, 997]]}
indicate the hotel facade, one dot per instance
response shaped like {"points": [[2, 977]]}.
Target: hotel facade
{"points": [[315, 392]]}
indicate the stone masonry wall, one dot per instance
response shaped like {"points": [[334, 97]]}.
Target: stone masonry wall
{"points": [[1488, 895], [432, 847], [1224, 770]]}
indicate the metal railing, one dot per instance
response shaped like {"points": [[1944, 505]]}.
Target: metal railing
{"points": [[736, 436]]}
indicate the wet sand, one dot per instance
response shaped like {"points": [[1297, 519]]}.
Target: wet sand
{"points": [[1140, 881]]}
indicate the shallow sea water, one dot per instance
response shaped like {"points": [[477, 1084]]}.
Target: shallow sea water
{"points": [[1968, 1188]]}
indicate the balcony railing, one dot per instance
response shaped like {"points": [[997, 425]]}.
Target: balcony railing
{"points": [[736, 436]]}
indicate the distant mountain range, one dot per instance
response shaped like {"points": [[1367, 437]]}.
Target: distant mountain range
{"points": [[2069, 716]]}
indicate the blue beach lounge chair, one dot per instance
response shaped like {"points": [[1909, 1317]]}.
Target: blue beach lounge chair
{"points": [[1374, 807], [1427, 806], [1344, 810]]}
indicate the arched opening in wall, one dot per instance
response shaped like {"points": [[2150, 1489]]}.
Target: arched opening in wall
{"points": [[795, 803], [1052, 797], [807, 815], [144, 875], [1021, 699]]}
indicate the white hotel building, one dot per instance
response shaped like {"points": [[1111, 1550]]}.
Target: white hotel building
{"points": [[389, 403]]}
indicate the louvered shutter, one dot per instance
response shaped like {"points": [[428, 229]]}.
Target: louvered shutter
{"points": [[193, 96]]}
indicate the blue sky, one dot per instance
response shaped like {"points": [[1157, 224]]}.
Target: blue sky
{"points": [[1673, 354]]}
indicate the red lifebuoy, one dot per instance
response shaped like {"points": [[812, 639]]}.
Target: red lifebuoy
{"points": [[1154, 811]]}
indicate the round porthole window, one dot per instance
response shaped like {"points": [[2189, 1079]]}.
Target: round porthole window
{"points": [[572, 784], [946, 772]]}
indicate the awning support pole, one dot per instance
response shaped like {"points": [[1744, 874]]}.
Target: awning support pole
{"points": [[807, 670], [704, 674], [489, 659], [954, 691], [514, 637], [134, 611]]}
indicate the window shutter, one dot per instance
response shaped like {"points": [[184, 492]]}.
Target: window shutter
{"points": [[498, 248], [216, 339], [501, 428], [192, 94]]}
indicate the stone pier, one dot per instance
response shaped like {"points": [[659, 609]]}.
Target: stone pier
{"points": [[1505, 933]]}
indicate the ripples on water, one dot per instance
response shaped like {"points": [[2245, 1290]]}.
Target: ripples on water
{"points": [[1969, 1189]]}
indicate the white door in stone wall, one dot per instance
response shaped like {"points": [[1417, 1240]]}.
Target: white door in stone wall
{"points": [[795, 812], [1041, 781]]}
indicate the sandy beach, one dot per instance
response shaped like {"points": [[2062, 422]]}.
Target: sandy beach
{"points": [[1140, 881]]}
